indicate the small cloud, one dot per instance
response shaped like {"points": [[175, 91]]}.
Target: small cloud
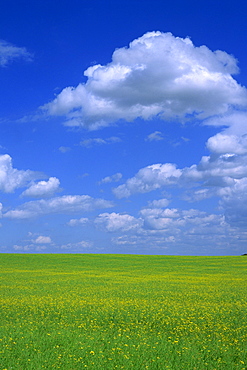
{"points": [[29, 248], [155, 136], [9, 53], [76, 222], [43, 188], [160, 203], [74, 247], [114, 222], [64, 149], [42, 240], [185, 139], [88, 143], [114, 178], [83, 175]]}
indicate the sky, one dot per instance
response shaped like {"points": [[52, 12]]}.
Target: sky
{"points": [[123, 127]]}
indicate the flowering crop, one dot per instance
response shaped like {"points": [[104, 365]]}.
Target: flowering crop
{"points": [[122, 312]]}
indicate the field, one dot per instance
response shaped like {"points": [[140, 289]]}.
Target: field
{"points": [[122, 312]]}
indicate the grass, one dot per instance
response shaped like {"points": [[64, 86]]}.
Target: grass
{"points": [[122, 312]]}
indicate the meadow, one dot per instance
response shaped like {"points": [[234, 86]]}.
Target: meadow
{"points": [[78, 311]]}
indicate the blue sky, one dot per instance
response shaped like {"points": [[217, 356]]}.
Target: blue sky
{"points": [[123, 127]]}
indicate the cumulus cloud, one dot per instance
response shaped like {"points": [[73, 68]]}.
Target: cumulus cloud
{"points": [[222, 174], [11, 178], [174, 228], [218, 171], [156, 218], [113, 222], [63, 204], [174, 220], [149, 178], [158, 74], [212, 171], [9, 53], [223, 144], [43, 188]]}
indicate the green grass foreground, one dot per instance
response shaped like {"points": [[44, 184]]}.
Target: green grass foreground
{"points": [[122, 312]]}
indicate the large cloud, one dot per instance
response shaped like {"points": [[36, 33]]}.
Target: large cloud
{"points": [[222, 174], [214, 171], [157, 75], [173, 220], [177, 229], [11, 178], [169, 228], [64, 204], [9, 52]]}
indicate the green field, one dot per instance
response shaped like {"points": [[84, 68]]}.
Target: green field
{"points": [[122, 312]]}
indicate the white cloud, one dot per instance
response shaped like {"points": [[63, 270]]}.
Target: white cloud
{"points": [[114, 178], [155, 136], [29, 248], [214, 171], [43, 188], [156, 218], [88, 143], [234, 123], [222, 174], [160, 203], [42, 240], [76, 247], [114, 222], [63, 204], [9, 52], [149, 178], [157, 75], [64, 149], [217, 170], [11, 178], [234, 203], [174, 228], [223, 144], [81, 221]]}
